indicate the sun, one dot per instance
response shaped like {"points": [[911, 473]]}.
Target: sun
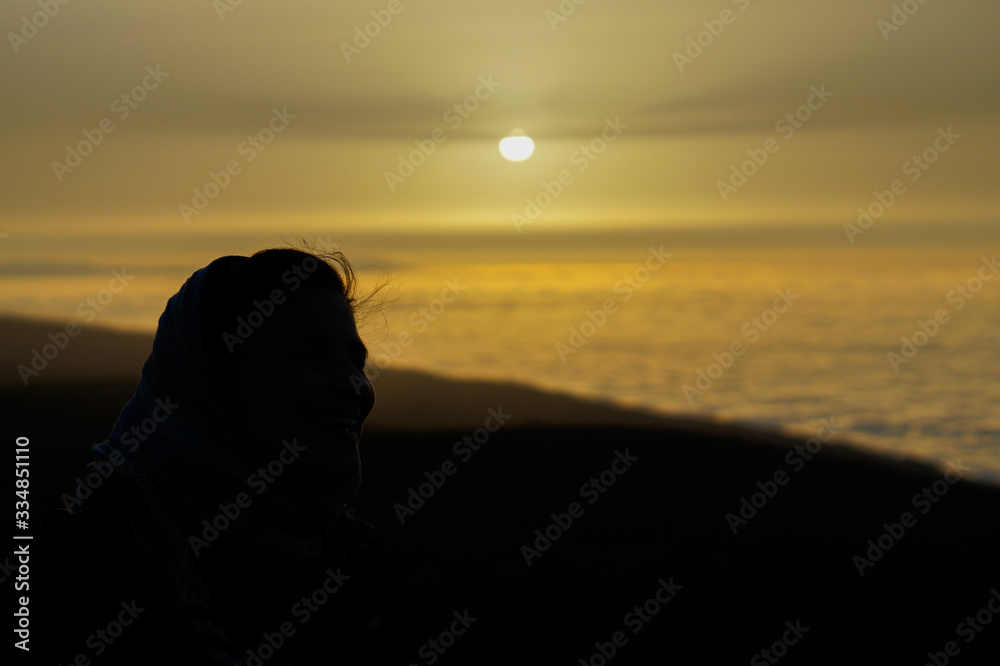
{"points": [[517, 147]]}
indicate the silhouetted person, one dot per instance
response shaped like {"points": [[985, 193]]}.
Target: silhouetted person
{"points": [[221, 535]]}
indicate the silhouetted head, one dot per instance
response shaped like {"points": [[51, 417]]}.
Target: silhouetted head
{"points": [[253, 396], [280, 333]]}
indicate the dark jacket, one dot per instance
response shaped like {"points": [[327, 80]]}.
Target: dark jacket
{"points": [[101, 597]]}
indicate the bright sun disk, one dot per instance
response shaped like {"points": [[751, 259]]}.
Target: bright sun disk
{"points": [[516, 147]]}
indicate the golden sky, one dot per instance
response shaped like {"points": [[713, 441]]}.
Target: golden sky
{"points": [[641, 108]]}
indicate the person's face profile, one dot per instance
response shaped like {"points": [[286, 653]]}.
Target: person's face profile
{"points": [[301, 376]]}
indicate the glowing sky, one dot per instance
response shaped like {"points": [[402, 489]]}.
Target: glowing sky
{"points": [[632, 123]]}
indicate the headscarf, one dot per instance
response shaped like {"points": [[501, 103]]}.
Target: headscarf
{"points": [[179, 448]]}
